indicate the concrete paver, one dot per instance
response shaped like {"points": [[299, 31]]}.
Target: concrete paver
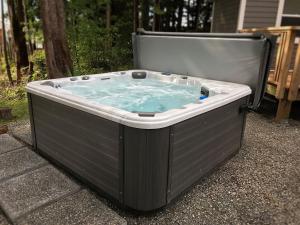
{"points": [[23, 133], [21, 194], [82, 207], [18, 161], [8, 143]]}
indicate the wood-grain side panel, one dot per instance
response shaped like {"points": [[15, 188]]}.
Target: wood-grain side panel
{"points": [[85, 144], [203, 142]]}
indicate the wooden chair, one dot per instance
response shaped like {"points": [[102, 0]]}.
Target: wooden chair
{"points": [[283, 82]]}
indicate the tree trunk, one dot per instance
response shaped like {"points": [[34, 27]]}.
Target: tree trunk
{"points": [[5, 46], [108, 14], [3, 129], [108, 44], [135, 15], [145, 14], [30, 49], [16, 14], [156, 16], [167, 20], [174, 19], [5, 113], [180, 13], [10, 48], [197, 13], [58, 59], [188, 12], [24, 62]]}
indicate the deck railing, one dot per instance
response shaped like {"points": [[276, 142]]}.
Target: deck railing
{"points": [[283, 83]]}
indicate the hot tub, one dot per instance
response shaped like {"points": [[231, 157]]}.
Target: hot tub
{"points": [[144, 136]]}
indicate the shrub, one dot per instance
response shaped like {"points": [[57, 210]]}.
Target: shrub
{"points": [[39, 65]]}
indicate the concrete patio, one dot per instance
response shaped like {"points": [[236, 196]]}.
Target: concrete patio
{"points": [[260, 185], [34, 192]]}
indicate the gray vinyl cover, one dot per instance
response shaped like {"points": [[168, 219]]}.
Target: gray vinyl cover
{"points": [[237, 58]]}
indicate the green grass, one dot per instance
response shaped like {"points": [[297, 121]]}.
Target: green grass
{"points": [[14, 98], [19, 109]]}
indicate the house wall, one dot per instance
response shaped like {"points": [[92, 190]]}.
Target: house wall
{"points": [[260, 13], [257, 14], [225, 16], [291, 7]]}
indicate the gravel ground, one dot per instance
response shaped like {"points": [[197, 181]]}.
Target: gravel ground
{"points": [[260, 185]]}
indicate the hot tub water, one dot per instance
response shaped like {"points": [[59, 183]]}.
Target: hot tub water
{"points": [[135, 95]]}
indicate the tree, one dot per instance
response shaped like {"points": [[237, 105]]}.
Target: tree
{"points": [[5, 46], [135, 15], [58, 59], [33, 24], [156, 16], [180, 13], [108, 14], [197, 13], [145, 14], [17, 19]]}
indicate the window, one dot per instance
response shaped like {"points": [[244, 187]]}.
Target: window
{"points": [[290, 20], [288, 13]]}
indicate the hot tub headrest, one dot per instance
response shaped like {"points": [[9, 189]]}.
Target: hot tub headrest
{"points": [[138, 75], [48, 83]]}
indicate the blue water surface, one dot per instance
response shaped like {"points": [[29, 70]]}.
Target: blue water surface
{"points": [[135, 95]]}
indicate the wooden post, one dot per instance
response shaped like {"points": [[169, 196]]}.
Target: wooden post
{"points": [[280, 52], [295, 79], [281, 73], [288, 43], [283, 109]]}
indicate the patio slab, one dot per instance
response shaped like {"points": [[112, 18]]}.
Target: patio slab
{"points": [[24, 193], [83, 207], [8, 143], [23, 133], [19, 161]]}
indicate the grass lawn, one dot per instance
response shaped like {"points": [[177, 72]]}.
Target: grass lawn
{"points": [[19, 109], [13, 97]]}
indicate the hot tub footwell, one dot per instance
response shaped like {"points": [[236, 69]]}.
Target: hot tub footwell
{"points": [[143, 169]]}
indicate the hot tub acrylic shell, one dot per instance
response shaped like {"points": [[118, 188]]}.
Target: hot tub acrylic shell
{"points": [[144, 163]]}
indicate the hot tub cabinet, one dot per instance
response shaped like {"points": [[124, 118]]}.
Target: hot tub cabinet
{"points": [[146, 167]]}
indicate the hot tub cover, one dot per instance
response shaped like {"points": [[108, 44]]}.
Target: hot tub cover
{"points": [[237, 58]]}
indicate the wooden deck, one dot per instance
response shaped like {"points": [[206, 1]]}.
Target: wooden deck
{"points": [[272, 85], [283, 83]]}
